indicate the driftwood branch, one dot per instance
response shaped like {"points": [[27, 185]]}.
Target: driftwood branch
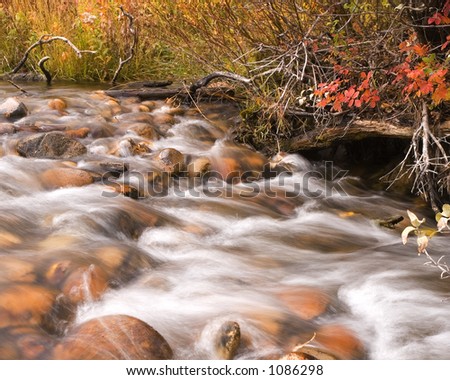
{"points": [[48, 76], [133, 32], [17, 86], [47, 39], [218, 74], [153, 90]]}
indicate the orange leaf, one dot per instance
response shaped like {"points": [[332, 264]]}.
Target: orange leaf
{"points": [[440, 94], [420, 50]]}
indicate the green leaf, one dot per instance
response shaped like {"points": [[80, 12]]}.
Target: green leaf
{"points": [[406, 232], [414, 219]]}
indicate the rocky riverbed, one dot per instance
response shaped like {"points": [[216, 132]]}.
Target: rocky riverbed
{"points": [[140, 230]]}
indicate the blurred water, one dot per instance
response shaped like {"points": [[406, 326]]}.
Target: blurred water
{"points": [[222, 258]]}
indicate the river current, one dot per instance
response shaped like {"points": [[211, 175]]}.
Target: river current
{"points": [[267, 253]]}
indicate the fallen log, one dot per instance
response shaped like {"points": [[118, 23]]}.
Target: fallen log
{"points": [[357, 130], [156, 93], [152, 90]]}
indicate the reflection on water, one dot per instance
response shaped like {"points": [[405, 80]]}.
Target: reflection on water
{"points": [[284, 257]]}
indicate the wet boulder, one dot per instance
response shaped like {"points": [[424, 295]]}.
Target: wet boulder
{"points": [[79, 133], [306, 302], [50, 145], [57, 104], [340, 342], [199, 167], [228, 340], [7, 128], [12, 108], [144, 130], [85, 283], [65, 177], [13, 269], [113, 337], [171, 160]]}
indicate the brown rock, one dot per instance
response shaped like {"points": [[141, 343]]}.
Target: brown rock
{"points": [[85, 283], [199, 166], [113, 337], [340, 341], [144, 130], [65, 177], [306, 302], [13, 269], [12, 108], [7, 128], [24, 342], [160, 118], [228, 340], [309, 353], [79, 133], [50, 145], [25, 304], [171, 160], [57, 104], [236, 163], [58, 271]]}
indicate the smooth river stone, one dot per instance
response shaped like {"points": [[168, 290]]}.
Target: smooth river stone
{"points": [[12, 108], [65, 177], [118, 337], [306, 302], [13, 269], [340, 341], [25, 304], [25, 342], [171, 160]]}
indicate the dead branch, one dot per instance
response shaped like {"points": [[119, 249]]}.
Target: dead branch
{"points": [[17, 86], [48, 76], [47, 39], [217, 74], [133, 32]]}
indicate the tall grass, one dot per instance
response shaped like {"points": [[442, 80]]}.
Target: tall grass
{"points": [[90, 25]]}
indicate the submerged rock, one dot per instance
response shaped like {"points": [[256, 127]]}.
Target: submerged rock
{"points": [[305, 302], [25, 304], [25, 342], [7, 128], [309, 353], [50, 145], [13, 269], [12, 108], [118, 337], [340, 341]]}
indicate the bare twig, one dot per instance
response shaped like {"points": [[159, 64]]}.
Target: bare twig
{"points": [[17, 86], [47, 39], [133, 32]]}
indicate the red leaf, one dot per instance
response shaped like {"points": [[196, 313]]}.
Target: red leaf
{"points": [[425, 88], [435, 19], [446, 8], [444, 45]]}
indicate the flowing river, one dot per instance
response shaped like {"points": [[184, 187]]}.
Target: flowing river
{"points": [[284, 256]]}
